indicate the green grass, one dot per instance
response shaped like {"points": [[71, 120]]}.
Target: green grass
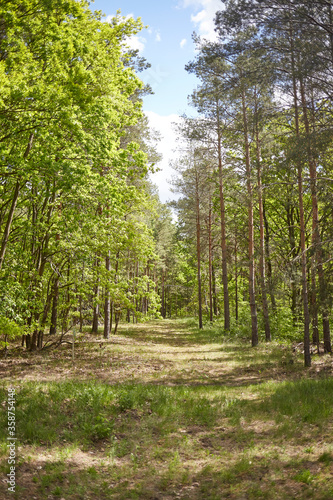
{"points": [[203, 416], [85, 413]]}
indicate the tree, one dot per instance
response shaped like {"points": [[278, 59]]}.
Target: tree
{"points": [[70, 170]]}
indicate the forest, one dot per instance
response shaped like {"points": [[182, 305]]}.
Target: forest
{"points": [[81, 241], [97, 274]]}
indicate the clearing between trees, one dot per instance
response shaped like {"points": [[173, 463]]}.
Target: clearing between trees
{"points": [[164, 410]]}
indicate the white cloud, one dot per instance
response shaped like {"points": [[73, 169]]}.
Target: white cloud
{"points": [[166, 147], [158, 37], [199, 18], [203, 16], [183, 43], [136, 43]]}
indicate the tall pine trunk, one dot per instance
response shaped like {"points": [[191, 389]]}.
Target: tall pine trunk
{"points": [[262, 236], [268, 259], [94, 328], [223, 229], [316, 240], [252, 296], [198, 232], [210, 259], [307, 355]]}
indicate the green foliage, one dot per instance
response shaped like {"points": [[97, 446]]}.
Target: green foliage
{"points": [[75, 151], [9, 330], [304, 476]]}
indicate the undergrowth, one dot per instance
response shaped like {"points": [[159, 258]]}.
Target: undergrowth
{"points": [[213, 418]]}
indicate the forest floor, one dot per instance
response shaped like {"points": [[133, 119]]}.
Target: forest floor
{"points": [[164, 411]]}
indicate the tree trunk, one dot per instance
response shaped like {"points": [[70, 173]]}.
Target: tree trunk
{"points": [[214, 291], [163, 311], [307, 355], [210, 252], [316, 240], [197, 201], [94, 328], [107, 301], [12, 208], [268, 259], [252, 297], [9, 223], [223, 230], [54, 313], [236, 277], [313, 305], [262, 237]]}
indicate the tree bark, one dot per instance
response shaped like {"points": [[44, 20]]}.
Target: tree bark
{"points": [[236, 276], [252, 297], [54, 313], [307, 355], [316, 240], [163, 312], [107, 301], [268, 259], [210, 258], [198, 232], [262, 236], [9, 223], [223, 229]]}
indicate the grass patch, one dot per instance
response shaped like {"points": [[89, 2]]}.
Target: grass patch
{"points": [[85, 413], [165, 410]]}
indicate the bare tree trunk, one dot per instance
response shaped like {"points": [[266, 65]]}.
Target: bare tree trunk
{"points": [[236, 276], [197, 201], [316, 240], [214, 291], [9, 223], [54, 313], [210, 259], [12, 208], [307, 355], [252, 297], [313, 304], [107, 302], [262, 237], [268, 259], [94, 327], [163, 312], [223, 230]]}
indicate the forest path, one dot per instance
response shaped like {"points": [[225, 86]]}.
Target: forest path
{"points": [[165, 411], [167, 352]]}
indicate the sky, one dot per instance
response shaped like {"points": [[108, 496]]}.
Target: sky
{"points": [[167, 45]]}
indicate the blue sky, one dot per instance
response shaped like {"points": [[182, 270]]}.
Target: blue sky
{"points": [[167, 45]]}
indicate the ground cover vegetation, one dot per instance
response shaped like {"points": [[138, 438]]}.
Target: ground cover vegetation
{"points": [[166, 410], [218, 406]]}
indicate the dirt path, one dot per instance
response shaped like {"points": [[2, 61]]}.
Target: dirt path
{"points": [[164, 411]]}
